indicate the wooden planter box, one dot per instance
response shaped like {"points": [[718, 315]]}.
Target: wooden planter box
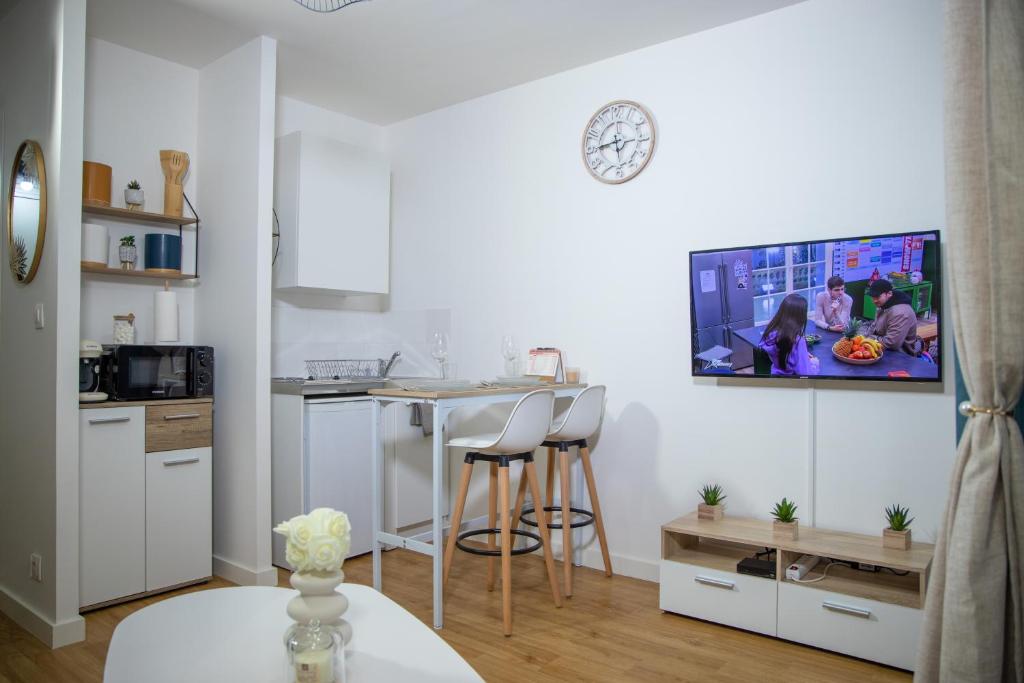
{"points": [[712, 512], [789, 530], [896, 540]]}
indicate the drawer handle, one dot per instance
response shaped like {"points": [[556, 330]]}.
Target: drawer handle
{"points": [[108, 420], [717, 583], [846, 609], [181, 461], [182, 416]]}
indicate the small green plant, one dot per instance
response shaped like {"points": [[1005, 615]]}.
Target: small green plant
{"points": [[897, 518], [785, 511], [128, 241], [134, 185], [712, 495]]}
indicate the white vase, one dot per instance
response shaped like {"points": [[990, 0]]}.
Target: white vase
{"points": [[317, 599]]}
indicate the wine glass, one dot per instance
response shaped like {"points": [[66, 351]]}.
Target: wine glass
{"points": [[511, 353], [439, 349]]}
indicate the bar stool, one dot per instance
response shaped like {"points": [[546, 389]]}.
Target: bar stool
{"points": [[526, 428], [571, 429]]}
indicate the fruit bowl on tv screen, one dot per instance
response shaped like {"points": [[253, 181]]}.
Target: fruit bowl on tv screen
{"points": [[856, 361]]}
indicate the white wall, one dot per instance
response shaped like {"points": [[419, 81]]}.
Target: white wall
{"points": [[42, 99], [820, 120], [136, 105], [236, 136]]}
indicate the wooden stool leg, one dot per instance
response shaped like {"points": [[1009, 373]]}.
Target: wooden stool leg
{"points": [[517, 511], [456, 521], [598, 522], [506, 551], [492, 520], [563, 477], [549, 486], [530, 473]]}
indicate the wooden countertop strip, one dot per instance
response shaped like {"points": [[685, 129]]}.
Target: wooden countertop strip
{"points": [[396, 392], [132, 404]]}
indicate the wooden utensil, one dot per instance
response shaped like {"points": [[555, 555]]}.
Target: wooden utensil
{"points": [[175, 166]]}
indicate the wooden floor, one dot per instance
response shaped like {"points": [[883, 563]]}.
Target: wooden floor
{"points": [[610, 630]]}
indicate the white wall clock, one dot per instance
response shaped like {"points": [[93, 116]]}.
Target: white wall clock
{"points": [[618, 141]]}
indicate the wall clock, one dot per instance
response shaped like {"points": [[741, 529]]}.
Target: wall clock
{"points": [[618, 141]]}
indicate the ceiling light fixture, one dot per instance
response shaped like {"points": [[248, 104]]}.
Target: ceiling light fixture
{"points": [[325, 6]]}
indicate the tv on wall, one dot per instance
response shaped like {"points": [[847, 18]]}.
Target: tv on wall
{"points": [[862, 308]]}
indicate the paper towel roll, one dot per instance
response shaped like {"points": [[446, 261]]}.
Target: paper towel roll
{"points": [[165, 317], [95, 243]]}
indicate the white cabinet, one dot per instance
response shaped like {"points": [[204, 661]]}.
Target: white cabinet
{"points": [[747, 602], [178, 513], [145, 519], [333, 203], [112, 503]]}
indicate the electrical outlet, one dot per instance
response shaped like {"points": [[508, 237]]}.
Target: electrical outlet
{"points": [[35, 567]]}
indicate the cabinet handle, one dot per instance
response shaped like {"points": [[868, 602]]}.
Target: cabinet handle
{"points": [[181, 416], [108, 420], [717, 583], [181, 461], [846, 609]]}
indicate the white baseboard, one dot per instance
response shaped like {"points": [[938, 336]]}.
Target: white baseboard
{"points": [[54, 635], [243, 576], [622, 565]]}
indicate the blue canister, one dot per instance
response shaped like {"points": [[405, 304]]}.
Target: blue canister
{"points": [[163, 253]]}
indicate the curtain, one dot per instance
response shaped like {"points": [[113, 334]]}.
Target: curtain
{"points": [[974, 612]]}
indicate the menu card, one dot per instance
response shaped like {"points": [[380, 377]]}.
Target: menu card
{"points": [[545, 363]]}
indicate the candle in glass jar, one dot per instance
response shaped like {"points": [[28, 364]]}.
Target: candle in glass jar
{"points": [[314, 666]]}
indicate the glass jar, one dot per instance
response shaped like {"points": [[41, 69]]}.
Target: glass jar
{"points": [[124, 329], [314, 654]]}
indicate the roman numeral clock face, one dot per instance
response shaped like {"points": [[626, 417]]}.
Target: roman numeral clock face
{"points": [[618, 142]]}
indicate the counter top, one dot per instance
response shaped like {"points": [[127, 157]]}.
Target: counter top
{"points": [[324, 387], [399, 393], [132, 404]]}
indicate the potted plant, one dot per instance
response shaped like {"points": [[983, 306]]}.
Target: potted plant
{"points": [[785, 523], [712, 507], [134, 196], [128, 252], [897, 535]]}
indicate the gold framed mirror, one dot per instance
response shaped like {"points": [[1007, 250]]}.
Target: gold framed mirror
{"points": [[26, 211]]}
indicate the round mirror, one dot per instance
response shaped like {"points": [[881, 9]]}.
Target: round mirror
{"points": [[26, 211]]}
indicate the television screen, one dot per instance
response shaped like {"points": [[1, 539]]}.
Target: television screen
{"points": [[865, 308]]}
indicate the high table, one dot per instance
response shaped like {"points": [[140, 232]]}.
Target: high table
{"points": [[237, 634], [917, 368], [444, 402]]}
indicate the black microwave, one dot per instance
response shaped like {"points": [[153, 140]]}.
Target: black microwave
{"points": [[140, 372]]}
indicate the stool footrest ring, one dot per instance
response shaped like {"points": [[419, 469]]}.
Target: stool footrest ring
{"points": [[497, 552], [589, 517]]}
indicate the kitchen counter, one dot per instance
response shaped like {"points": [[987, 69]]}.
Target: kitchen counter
{"points": [[298, 386], [130, 404]]}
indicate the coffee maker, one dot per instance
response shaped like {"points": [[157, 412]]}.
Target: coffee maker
{"points": [[90, 359]]}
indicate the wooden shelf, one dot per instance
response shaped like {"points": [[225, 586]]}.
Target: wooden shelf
{"points": [[711, 554], [881, 586], [117, 272], [136, 216]]}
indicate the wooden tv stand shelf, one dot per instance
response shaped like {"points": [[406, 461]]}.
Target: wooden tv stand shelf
{"points": [[874, 615]]}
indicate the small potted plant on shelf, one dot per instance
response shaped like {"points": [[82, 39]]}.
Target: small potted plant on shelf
{"points": [[785, 523], [134, 196], [897, 535], [712, 507], [128, 252]]}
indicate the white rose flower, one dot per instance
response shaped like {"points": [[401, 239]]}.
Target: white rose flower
{"points": [[298, 558], [325, 553], [338, 525], [300, 530]]}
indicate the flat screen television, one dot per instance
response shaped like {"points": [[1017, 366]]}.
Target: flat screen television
{"points": [[861, 308]]}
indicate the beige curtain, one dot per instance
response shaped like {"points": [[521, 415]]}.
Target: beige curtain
{"points": [[974, 614]]}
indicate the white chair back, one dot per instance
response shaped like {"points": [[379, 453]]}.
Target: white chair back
{"points": [[583, 417], [528, 424]]}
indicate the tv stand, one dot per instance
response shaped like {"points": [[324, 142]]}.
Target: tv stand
{"points": [[874, 614]]}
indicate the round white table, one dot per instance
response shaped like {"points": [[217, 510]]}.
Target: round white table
{"points": [[237, 634]]}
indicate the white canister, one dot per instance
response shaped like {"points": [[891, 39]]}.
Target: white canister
{"points": [[95, 244]]}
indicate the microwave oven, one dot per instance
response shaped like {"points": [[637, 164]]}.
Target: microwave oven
{"points": [[144, 372]]}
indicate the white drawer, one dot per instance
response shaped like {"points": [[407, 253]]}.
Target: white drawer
{"points": [[747, 602], [863, 628]]}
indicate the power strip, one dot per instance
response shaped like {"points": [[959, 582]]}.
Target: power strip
{"points": [[799, 568]]}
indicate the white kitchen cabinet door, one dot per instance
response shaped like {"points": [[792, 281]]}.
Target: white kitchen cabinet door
{"points": [[112, 521], [333, 202], [179, 514]]}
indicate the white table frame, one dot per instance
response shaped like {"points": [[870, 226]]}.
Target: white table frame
{"points": [[443, 407]]}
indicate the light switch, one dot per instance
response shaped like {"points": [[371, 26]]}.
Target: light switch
{"points": [[40, 317]]}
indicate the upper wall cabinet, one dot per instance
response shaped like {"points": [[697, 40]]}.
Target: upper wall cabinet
{"points": [[333, 203]]}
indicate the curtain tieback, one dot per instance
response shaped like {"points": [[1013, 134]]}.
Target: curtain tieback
{"points": [[967, 409]]}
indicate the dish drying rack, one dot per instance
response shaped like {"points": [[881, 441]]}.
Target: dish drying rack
{"points": [[376, 368]]}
